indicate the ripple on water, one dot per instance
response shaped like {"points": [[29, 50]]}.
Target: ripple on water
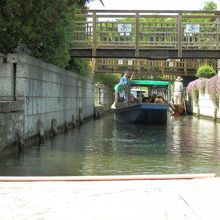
{"points": [[103, 147]]}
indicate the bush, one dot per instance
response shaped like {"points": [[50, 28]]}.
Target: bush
{"points": [[205, 71]]}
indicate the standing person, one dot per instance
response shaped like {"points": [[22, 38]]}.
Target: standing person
{"points": [[178, 91], [124, 78], [119, 88], [122, 89], [125, 82]]}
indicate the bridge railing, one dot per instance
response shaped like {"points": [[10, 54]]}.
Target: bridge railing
{"points": [[178, 30], [169, 66]]}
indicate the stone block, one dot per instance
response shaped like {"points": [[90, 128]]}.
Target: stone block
{"points": [[11, 106], [6, 88]]}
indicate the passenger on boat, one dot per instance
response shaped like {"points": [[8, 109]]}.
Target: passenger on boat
{"points": [[159, 99], [146, 99], [178, 91], [153, 97], [131, 98], [124, 79]]}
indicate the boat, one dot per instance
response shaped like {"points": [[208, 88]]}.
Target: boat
{"points": [[180, 110], [141, 111]]}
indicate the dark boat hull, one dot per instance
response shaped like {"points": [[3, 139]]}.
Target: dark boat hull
{"points": [[146, 113]]}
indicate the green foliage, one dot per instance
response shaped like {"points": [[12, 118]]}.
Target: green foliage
{"points": [[210, 6], [205, 71], [80, 66], [108, 79], [46, 27], [155, 77]]}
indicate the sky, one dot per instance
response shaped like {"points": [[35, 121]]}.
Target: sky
{"points": [[150, 4]]}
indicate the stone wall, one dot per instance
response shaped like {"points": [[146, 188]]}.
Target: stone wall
{"points": [[104, 96], [206, 107], [46, 93], [6, 79], [11, 122]]}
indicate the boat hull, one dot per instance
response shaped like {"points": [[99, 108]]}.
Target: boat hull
{"points": [[146, 113]]}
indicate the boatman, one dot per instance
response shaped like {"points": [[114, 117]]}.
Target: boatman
{"points": [[122, 89], [178, 91], [119, 88], [124, 81], [124, 78]]}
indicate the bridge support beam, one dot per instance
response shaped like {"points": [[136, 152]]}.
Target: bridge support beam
{"points": [[159, 54]]}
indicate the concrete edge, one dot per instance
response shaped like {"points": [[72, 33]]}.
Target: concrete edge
{"points": [[104, 178]]}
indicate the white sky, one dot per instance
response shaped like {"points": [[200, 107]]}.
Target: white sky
{"points": [[150, 4]]}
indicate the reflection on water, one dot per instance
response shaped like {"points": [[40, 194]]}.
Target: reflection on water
{"points": [[103, 147]]}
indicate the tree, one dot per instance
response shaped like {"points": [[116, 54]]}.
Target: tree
{"points": [[44, 26], [80, 66], [210, 6]]}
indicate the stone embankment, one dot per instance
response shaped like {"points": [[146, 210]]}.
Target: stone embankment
{"points": [[39, 99]]}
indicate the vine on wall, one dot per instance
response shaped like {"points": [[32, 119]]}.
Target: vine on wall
{"points": [[211, 86]]}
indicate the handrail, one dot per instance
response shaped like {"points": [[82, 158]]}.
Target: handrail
{"points": [[143, 30], [155, 11], [164, 67]]}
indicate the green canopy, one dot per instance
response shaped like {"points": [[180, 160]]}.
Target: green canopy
{"points": [[149, 83]]}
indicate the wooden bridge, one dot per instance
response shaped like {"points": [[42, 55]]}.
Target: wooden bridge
{"points": [[159, 35], [143, 68]]}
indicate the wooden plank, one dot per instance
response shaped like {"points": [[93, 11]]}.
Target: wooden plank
{"points": [[149, 52]]}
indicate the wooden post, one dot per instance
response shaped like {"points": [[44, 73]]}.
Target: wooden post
{"points": [[93, 68], [139, 67], [137, 36], [94, 31], [179, 35], [185, 67], [217, 31], [114, 65], [162, 66]]}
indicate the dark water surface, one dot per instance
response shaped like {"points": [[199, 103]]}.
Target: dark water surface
{"points": [[102, 147]]}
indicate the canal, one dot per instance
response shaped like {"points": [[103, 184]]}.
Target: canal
{"points": [[103, 147]]}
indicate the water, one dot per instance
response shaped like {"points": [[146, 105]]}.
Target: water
{"points": [[102, 147]]}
